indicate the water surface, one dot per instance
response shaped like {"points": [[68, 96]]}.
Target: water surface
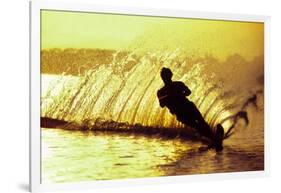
{"points": [[73, 156]]}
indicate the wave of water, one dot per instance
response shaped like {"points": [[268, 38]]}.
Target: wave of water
{"points": [[125, 93]]}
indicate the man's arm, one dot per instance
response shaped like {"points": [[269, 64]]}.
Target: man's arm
{"points": [[185, 90], [161, 98]]}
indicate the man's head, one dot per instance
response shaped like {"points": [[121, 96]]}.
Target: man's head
{"points": [[166, 75]]}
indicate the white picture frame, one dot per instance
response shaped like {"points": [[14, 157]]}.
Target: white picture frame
{"points": [[35, 135]]}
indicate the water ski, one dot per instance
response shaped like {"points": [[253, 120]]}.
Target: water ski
{"points": [[215, 139], [218, 138]]}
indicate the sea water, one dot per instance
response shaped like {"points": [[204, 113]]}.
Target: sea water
{"points": [[75, 156]]}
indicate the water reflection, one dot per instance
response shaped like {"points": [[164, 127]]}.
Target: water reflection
{"points": [[73, 156], [78, 156]]}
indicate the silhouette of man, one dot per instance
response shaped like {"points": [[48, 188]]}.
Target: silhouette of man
{"points": [[173, 96]]}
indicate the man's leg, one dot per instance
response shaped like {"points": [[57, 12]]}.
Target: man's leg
{"points": [[201, 125]]}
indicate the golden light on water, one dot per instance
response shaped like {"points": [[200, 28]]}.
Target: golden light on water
{"points": [[100, 156]]}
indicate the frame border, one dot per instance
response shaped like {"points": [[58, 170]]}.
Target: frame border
{"points": [[34, 93]]}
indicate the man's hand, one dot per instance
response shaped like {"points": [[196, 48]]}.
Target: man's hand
{"points": [[162, 97]]}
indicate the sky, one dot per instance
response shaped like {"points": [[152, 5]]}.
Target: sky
{"points": [[61, 29]]}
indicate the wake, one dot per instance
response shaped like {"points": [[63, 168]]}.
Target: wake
{"points": [[121, 95]]}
